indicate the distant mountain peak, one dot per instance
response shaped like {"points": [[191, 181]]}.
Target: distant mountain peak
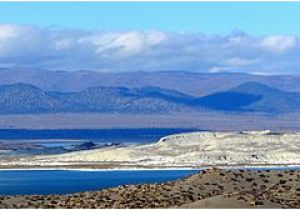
{"points": [[249, 96], [254, 87], [21, 86], [184, 81]]}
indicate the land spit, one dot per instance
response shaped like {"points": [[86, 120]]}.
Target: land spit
{"points": [[187, 150], [211, 188]]}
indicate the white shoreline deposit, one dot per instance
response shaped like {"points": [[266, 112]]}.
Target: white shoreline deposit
{"points": [[194, 149]]}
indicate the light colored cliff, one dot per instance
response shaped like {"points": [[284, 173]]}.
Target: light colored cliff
{"points": [[196, 149]]}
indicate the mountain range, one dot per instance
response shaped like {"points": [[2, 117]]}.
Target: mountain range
{"points": [[195, 84], [252, 96]]}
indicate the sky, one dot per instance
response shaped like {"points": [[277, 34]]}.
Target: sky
{"points": [[250, 37]]}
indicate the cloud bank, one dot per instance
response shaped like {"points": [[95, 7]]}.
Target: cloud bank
{"points": [[115, 51]]}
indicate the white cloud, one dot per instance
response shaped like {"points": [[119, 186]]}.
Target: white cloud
{"points": [[240, 62], [123, 44], [7, 31], [217, 69], [54, 48], [279, 43], [62, 44]]}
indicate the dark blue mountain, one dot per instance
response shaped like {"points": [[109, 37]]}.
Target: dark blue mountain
{"points": [[226, 101], [191, 83], [247, 97], [252, 96], [23, 99], [271, 99]]}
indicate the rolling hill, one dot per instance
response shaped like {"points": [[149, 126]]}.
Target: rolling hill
{"points": [[23, 98], [252, 96], [196, 84], [271, 100], [248, 97]]}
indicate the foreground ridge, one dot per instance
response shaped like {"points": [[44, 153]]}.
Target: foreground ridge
{"points": [[212, 188]]}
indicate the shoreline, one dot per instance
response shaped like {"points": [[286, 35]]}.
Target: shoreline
{"points": [[232, 167], [220, 188], [86, 169]]}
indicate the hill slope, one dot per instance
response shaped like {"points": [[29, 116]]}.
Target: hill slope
{"points": [[23, 99], [248, 97], [271, 100], [252, 96], [196, 84]]}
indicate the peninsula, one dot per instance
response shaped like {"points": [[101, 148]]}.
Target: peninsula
{"points": [[186, 150]]}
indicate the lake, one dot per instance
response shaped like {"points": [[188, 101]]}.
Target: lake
{"points": [[132, 135], [57, 141], [21, 182], [13, 182]]}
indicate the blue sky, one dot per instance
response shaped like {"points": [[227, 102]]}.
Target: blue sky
{"points": [[250, 37], [255, 18]]}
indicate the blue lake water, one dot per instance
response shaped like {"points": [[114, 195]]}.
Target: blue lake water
{"points": [[132, 135], [61, 140], [21, 182]]}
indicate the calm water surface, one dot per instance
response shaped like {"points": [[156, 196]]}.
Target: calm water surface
{"points": [[68, 138], [21, 182], [132, 135]]}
